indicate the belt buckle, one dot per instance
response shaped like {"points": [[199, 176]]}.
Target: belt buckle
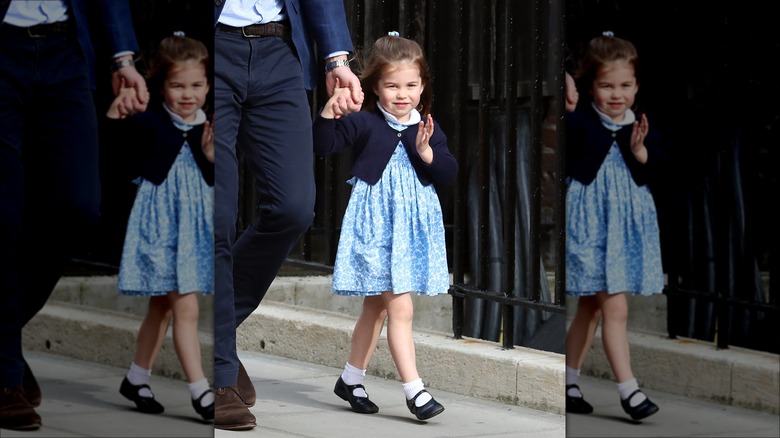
{"points": [[34, 35], [243, 32]]}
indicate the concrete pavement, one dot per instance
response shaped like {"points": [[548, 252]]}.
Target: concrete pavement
{"points": [[295, 399], [677, 417], [81, 399], [291, 342]]}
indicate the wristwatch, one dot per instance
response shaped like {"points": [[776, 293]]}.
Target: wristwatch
{"points": [[334, 64], [116, 65]]}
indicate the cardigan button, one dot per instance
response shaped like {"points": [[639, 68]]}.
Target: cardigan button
{"points": [[399, 134], [614, 134], [184, 134]]}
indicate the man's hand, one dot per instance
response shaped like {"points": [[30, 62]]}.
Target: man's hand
{"points": [[340, 103], [347, 79], [121, 106], [129, 77]]}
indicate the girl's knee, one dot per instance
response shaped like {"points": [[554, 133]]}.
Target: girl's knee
{"points": [[400, 307], [185, 307]]}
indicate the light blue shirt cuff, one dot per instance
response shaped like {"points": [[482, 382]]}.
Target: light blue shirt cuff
{"points": [[341, 52]]}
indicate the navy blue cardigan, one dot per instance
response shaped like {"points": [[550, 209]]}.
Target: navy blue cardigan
{"points": [[588, 141], [154, 138], [374, 142]]}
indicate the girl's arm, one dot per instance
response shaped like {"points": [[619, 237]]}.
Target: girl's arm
{"points": [[333, 135], [424, 134], [572, 96], [638, 135], [207, 140], [443, 168]]}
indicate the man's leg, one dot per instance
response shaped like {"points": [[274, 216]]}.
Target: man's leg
{"points": [[230, 85], [231, 57], [49, 188], [276, 139], [274, 132], [62, 193]]}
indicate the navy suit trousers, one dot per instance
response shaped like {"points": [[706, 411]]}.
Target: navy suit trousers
{"points": [[49, 184], [261, 109]]}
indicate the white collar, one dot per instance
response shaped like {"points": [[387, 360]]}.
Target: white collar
{"points": [[414, 117], [200, 117], [628, 118]]}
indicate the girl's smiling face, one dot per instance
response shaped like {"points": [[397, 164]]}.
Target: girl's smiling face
{"points": [[614, 89], [185, 89], [399, 89]]}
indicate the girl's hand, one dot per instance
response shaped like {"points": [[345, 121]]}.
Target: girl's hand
{"points": [[129, 77], [207, 140], [341, 103], [638, 135], [424, 134], [572, 96], [123, 104], [345, 77]]}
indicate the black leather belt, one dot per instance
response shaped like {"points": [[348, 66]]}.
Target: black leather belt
{"points": [[39, 30], [272, 29]]}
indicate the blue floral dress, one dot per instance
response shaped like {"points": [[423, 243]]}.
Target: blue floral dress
{"points": [[169, 244], [612, 236], [392, 236]]}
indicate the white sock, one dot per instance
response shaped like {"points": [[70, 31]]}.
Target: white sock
{"points": [[354, 376], [572, 375], [198, 388], [627, 388], [412, 388], [138, 375]]}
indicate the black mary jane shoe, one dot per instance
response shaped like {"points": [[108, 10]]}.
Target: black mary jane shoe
{"points": [[207, 412], [361, 405], [147, 405], [577, 405], [426, 411], [640, 411]]}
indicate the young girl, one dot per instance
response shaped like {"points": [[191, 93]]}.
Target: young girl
{"points": [[612, 238], [392, 239], [168, 247]]}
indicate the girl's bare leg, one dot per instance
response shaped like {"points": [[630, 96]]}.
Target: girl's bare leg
{"points": [[400, 313], [614, 334], [151, 334], [368, 327], [185, 334], [582, 331]]}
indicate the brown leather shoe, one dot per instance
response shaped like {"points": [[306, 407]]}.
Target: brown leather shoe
{"points": [[16, 412], [30, 386], [245, 387], [231, 412]]}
